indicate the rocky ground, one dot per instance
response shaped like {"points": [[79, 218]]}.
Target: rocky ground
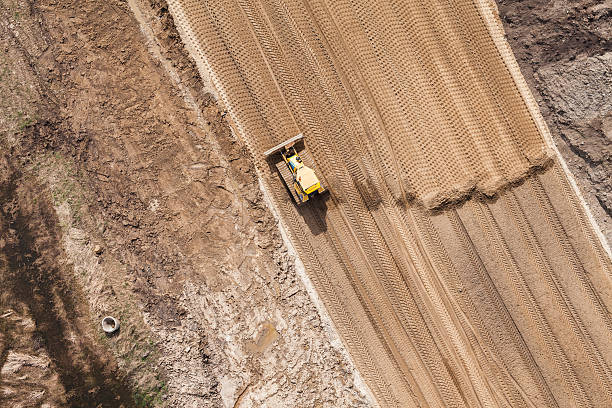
{"points": [[564, 49], [123, 192]]}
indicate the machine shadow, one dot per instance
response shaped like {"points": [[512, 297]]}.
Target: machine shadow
{"points": [[314, 213]]}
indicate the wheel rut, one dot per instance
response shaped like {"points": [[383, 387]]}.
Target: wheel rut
{"points": [[411, 112]]}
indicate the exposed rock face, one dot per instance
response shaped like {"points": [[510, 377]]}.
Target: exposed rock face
{"points": [[563, 49], [581, 93]]}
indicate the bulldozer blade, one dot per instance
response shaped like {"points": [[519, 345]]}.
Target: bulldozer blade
{"points": [[286, 143]]}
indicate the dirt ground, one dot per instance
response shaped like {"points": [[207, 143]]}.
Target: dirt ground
{"points": [[123, 192], [564, 49], [456, 262]]}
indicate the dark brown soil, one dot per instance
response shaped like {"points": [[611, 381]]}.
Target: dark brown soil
{"points": [[563, 49], [66, 71], [35, 285]]}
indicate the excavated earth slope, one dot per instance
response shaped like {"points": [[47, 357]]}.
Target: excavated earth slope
{"points": [[564, 49], [406, 107]]}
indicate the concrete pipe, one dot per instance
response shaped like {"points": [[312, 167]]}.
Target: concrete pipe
{"points": [[110, 324]]}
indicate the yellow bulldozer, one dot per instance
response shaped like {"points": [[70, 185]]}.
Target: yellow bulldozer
{"points": [[301, 180]]}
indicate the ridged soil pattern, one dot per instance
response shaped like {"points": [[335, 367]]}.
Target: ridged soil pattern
{"points": [[408, 107]]}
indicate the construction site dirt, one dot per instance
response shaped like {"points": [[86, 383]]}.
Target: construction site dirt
{"points": [[564, 49], [453, 253], [125, 194], [452, 263]]}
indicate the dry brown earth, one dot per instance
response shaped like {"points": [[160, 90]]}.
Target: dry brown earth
{"points": [[564, 50], [432, 136], [500, 301], [123, 192]]}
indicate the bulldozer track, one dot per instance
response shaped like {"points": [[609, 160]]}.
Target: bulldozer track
{"points": [[346, 325], [437, 293], [500, 310], [464, 307], [405, 107], [424, 285], [426, 344], [581, 336], [569, 252], [595, 247], [504, 257]]}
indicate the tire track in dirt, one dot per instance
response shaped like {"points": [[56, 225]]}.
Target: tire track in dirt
{"points": [[426, 233], [432, 366], [581, 337], [354, 199], [499, 312], [527, 302], [569, 252], [605, 263], [351, 200], [396, 101]]}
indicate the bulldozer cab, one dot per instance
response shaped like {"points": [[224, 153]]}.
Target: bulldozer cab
{"points": [[295, 170], [294, 161]]}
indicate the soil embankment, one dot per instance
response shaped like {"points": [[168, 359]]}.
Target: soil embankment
{"points": [[564, 49]]}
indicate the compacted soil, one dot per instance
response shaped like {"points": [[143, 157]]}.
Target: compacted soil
{"points": [[123, 193]]}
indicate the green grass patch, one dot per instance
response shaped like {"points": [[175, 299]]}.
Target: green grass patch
{"points": [[150, 397]]}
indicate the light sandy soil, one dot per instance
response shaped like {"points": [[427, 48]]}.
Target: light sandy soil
{"points": [[500, 301], [123, 192], [449, 154]]}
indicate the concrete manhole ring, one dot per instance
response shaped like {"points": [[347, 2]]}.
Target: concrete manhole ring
{"points": [[110, 324]]}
